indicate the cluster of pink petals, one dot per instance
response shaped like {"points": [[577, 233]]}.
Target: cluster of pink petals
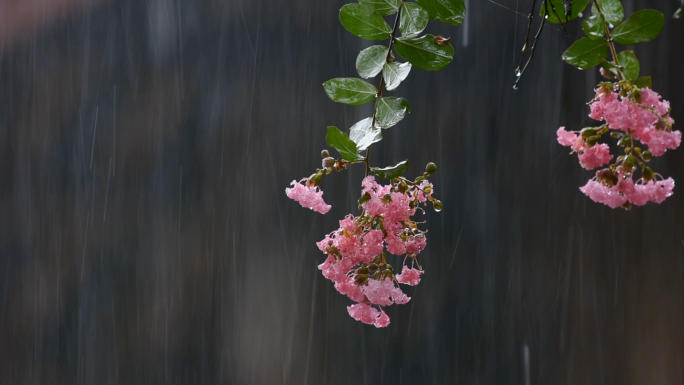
{"points": [[309, 197], [626, 191], [357, 243], [590, 157], [646, 120]]}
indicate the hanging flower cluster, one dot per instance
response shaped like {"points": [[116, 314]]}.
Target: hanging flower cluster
{"points": [[357, 263], [631, 115]]}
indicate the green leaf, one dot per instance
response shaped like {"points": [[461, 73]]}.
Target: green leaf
{"points": [[350, 91], [643, 81], [424, 53], [364, 22], [594, 26], [612, 10], [395, 73], [586, 53], [383, 7], [391, 111], [364, 135], [557, 5], [391, 172], [414, 19], [630, 65], [341, 142], [448, 11], [371, 60], [640, 27]]}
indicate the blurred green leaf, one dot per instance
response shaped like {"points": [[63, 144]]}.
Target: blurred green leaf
{"points": [[448, 11], [594, 26], [395, 73], [414, 19], [640, 27], [577, 7], [371, 60], [364, 135], [364, 22], [643, 81], [391, 111], [586, 53], [612, 10], [383, 7], [350, 91], [424, 53], [630, 65], [391, 172], [341, 142]]}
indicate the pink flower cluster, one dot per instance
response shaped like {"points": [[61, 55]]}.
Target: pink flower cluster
{"points": [[309, 196], [627, 192], [590, 157], [637, 115], [646, 119], [356, 262]]}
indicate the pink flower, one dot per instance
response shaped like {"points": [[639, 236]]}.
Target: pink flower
{"points": [[626, 191], [309, 197], [409, 276], [383, 321], [601, 193], [661, 141], [364, 313], [384, 293], [594, 156]]}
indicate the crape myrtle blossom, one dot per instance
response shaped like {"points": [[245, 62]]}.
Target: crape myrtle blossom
{"points": [[308, 195], [356, 261], [632, 115]]}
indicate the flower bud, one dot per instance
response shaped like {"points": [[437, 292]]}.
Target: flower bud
{"points": [[325, 154], [402, 187], [328, 162], [647, 174], [647, 155], [629, 162], [592, 140], [431, 168], [588, 131], [362, 270], [361, 278], [625, 140]]}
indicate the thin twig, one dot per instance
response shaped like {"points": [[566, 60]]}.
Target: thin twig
{"points": [[521, 72], [609, 37]]}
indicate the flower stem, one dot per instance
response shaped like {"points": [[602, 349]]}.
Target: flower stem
{"points": [[382, 80], [610, 40]]}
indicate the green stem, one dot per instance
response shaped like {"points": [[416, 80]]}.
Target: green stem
{"points": [[610, 40], [382, 80]]}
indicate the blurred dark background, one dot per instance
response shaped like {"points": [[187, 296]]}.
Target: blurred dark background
{"points": [[145, 238]]}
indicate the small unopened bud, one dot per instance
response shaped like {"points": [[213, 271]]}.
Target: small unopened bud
{"points": [[325, 154], [431, 168], [625, 140], [592, 140], [629, 162], [647, 155], [589, 131], [328, 162], [647, 173], [361, 278], [402, 187], [362, 270]]}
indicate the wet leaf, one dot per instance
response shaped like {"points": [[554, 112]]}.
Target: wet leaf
{"points": [[424, 53], [391, 111], [612, 10], [364, 22], [630, 64], [395, 73], [392, 171], [586, 53], [383, 7], [594, 27], [640, 27], [363, 135], [371, 60], [414, 19], [448, 11], [341, 142], [643, 81], [577, 7], [350, 91]]}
